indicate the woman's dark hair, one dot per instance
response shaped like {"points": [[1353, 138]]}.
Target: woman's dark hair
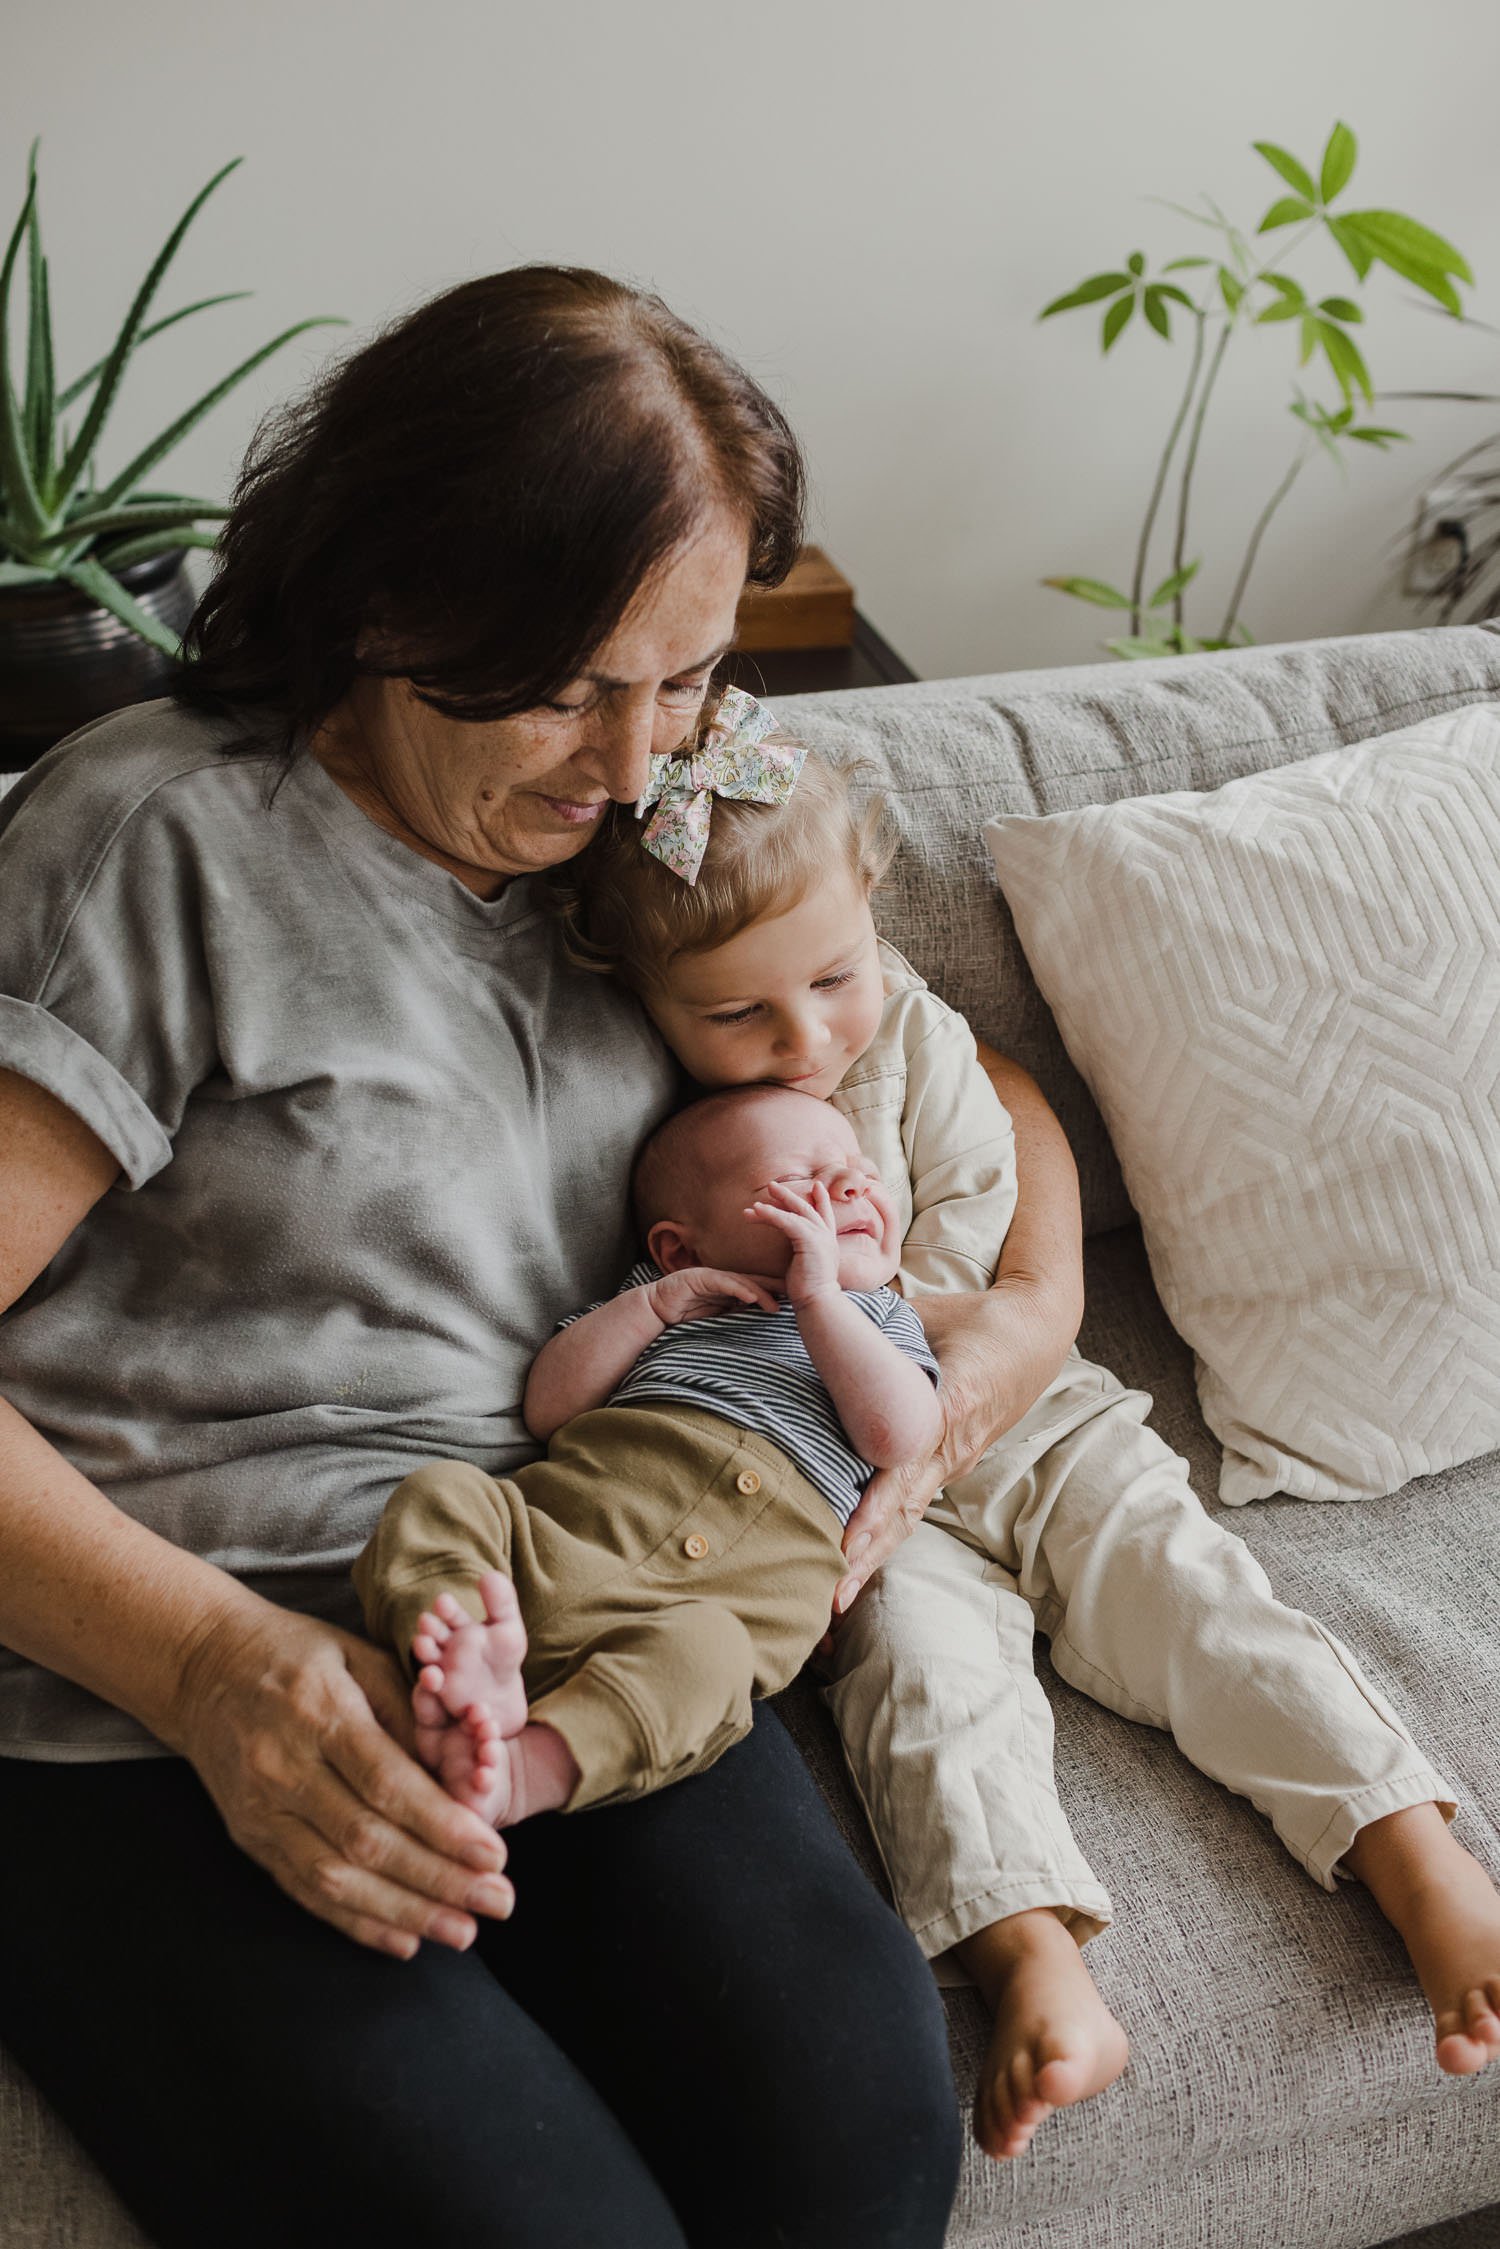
{"points": [[481, 492]]}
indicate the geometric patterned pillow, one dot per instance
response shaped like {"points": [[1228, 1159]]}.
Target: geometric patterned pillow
{"points": [[1284, 995]]}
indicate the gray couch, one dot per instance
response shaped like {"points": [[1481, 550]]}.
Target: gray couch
{"points": [[1282, 2092]]}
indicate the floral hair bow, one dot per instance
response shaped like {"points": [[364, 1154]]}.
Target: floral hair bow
{"points": [[733, 760]]}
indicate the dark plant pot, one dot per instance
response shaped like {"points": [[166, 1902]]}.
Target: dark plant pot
{"points": [[64, 660]]}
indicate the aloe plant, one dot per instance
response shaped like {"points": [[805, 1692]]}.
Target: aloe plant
{"points": [[59, 519], [1239, 289]]}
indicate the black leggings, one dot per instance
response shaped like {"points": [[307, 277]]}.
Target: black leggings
{"points": [[701, 2026]]}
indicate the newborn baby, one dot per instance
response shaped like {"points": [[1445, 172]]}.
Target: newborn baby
{"points": [[598, 1624]]}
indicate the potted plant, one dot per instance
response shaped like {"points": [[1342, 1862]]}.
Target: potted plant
{"points": [[94, 593], [1245, 286]]}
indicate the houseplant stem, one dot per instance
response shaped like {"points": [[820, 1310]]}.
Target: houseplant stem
{"points": [[1143, 544], [1231, 618]]}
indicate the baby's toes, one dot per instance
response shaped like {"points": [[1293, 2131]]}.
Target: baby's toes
{"points": [[430, 1637], [1481, 2017]]}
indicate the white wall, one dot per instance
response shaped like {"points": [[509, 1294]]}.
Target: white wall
{"points": [[867, 200]]}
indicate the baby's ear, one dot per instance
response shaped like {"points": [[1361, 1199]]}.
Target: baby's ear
{"points": [[668, 1246]]}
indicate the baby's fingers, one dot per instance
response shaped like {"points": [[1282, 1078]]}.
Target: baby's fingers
{"points": [[792, 1223]]}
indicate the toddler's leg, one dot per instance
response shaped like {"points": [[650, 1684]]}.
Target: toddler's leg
{"points": [[1159, 1613], [469, 1703], [949, 1740]]}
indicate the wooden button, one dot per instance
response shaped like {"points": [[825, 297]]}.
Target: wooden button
{"points": [[695, 1547], [747, 1481]]}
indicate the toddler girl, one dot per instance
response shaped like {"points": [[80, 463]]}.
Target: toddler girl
{"points": [[741, 917]]}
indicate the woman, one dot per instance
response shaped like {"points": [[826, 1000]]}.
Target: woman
{"points": [[307, 1136]]}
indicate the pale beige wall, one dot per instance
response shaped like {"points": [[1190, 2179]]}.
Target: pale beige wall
{"points": [[866, 199]]}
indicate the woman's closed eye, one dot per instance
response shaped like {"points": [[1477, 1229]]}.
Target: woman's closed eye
{"points": [[676, 691]]}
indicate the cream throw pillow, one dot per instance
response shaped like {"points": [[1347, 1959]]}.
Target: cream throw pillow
{"points": [[1285, 997]]}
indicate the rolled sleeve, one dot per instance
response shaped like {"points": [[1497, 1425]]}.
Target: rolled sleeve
{"points": [[38, 1046]]}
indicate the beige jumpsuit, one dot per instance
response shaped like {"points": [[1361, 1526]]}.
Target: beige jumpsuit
{"points": [[1079, 1521]]}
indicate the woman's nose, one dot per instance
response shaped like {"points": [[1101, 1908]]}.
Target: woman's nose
{"points": [[624, 742]]}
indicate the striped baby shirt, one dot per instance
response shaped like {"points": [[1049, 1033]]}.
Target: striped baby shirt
{"points": [[752, 1368]]}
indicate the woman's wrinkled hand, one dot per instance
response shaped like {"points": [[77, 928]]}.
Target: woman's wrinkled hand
{"points": [[301, 1733], [998, 1350]]}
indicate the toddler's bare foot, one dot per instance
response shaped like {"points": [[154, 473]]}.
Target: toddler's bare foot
{"points": [[1446, 1911], [1054, 2042], [469, 1703]]}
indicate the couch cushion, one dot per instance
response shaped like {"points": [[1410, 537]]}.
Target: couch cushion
{"points": [[1285, 995], [952, 753]]}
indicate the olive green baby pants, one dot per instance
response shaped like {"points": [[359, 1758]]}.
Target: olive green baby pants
{"points": [[670, 1567]]}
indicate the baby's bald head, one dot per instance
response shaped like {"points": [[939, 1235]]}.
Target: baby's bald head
{"points": [[702, 1172], [699, 1147]]}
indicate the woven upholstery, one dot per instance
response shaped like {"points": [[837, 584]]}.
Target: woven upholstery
{"points": [[1282, 2093]]}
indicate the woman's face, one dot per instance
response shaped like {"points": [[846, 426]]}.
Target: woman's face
{"points": [[510, 796]]}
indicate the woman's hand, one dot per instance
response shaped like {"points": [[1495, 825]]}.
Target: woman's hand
{"points": [[289, 1723], [998, 1349]]}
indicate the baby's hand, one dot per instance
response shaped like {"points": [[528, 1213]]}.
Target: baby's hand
{"points": [[701, 1290], [809, 1225]]}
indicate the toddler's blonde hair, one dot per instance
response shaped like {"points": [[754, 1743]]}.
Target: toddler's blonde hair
{"points": [[629, 916]]}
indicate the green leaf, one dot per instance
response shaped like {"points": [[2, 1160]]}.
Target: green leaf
{"points": [[1392, 236], [37, 410], [1115, 319], [1231, 289], [153, 543], [93, 579], [105, 523], [1170, 289], [23, 500], [1413, 251], [1343, 356], [1341, 308], [1287, 212], [1171, 587], [1295, 174], [176, 431], [1134, 648], [204, 304], [1091, 589], [1156, 313], [1320, 423], [1346, 234], [125, 343], [1181, 265], [1290, 299], [1136, 263], [1371, 434], [1186, 643], [1338, 162]]}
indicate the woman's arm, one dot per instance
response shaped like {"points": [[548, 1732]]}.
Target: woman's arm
{"points": [[287, 1721], [1000, 1347]]}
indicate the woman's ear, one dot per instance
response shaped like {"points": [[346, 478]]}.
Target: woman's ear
{"points": [[668, 1246]]}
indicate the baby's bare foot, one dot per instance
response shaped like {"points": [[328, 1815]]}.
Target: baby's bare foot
{"points": [[465, 1662], [1446, 1911], [469, 1703], [1054, 2041]]}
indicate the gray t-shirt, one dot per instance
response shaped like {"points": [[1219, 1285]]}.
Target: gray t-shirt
{"points": [[375, 1136]]}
